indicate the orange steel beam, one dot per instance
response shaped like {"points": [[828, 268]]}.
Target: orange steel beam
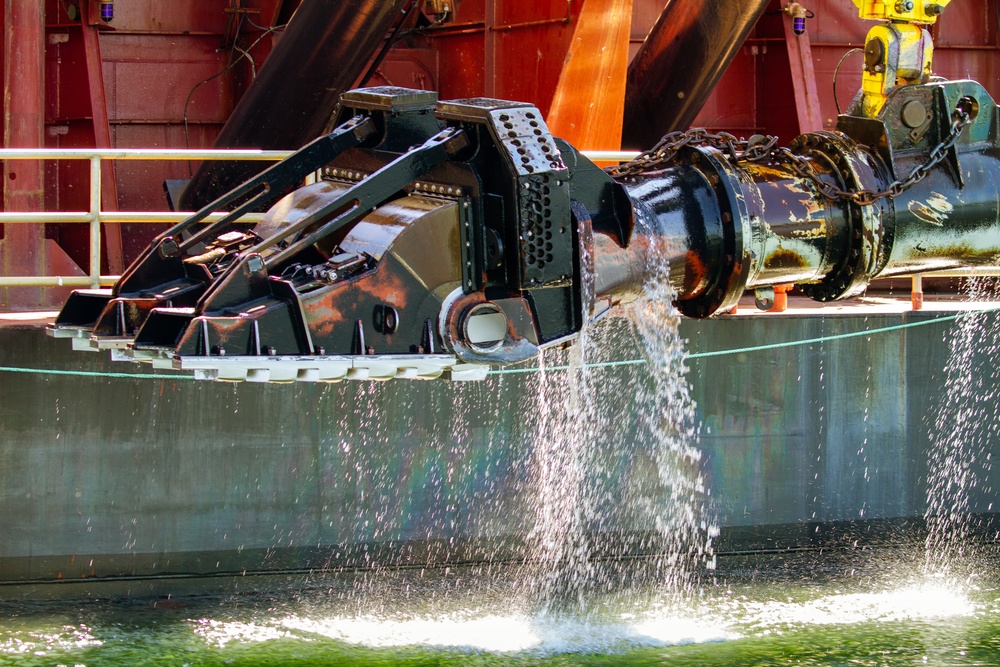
{"points": [[588, 105]]}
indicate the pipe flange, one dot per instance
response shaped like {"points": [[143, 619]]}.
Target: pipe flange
{"points": [[861, 262], [732, 278]]}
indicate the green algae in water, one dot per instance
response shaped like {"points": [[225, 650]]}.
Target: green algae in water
{"points": [[857, 613]]}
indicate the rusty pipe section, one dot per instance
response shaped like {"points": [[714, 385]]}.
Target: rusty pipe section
{"points": [[321, 54], [683, 57], [724, 226], [721, 228]]}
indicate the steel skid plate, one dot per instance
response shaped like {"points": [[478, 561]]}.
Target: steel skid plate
{"points": [[317, 368]]}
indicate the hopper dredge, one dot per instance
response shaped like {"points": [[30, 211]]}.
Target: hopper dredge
{"points": [[445, 237]]}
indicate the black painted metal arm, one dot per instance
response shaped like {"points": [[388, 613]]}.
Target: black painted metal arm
{"points": [[373, 191], [272, 183]]}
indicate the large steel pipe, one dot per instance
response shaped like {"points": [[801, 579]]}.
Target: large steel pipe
{"points": [[724, 226], [679, 63], [320, 55], [716, 229]]}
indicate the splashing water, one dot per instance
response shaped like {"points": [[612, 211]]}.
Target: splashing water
{"points": [[960, 434], [667, 422], [576, 543], [567, 428]]}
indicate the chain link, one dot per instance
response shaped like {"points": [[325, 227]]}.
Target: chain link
{"points": [[736, 149], [759, 148]]}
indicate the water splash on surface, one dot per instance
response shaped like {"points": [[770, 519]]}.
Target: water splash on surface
{"points": [[918, 601], [961, 432], [473, 624]]}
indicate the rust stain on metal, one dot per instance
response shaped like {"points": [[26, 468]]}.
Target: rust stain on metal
{"points": [[818, 232], [696, 273], [785, 258]]}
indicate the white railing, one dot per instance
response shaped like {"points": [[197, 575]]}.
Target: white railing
{"points": [[95, 217]]}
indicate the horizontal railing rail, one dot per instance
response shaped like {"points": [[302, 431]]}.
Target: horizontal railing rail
{"points": [[95, 216]]}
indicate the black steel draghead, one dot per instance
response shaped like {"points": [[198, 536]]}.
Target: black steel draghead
{"points": [[459, 235], [183, 262]]}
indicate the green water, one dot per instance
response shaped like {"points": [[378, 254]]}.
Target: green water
{"points": [[865, 608]]}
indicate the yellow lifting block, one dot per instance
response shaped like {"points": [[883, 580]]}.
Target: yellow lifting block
{"points": [[909, 11], [896, 54], [899, 51]]}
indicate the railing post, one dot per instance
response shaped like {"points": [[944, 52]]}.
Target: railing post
{"points": [[917, 291], [95, 221]]}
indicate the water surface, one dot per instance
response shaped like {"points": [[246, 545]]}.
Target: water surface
{"points": [[862, 607]]}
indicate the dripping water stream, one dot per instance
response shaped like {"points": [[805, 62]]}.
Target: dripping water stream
{"points": [[961, 432]]}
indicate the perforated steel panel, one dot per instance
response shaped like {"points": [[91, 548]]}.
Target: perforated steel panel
{"points": [[544, 232]]}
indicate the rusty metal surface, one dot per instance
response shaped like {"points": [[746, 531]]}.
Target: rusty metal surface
{"points": [[503, 48], [23, 248], [77, 117], [417, 240]]}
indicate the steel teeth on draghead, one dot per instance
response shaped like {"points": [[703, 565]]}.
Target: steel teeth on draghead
{"points": [[77, 318], [330, 368]]}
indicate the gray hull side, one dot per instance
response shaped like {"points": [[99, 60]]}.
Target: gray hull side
{"points": [[108, 478]]}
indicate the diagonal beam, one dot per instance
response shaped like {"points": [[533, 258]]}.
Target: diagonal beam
{"points": [[588, 105]]}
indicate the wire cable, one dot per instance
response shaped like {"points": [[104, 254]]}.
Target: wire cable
{"points": [[764, 347], [187, 102], [606, 364], [836, 73]]}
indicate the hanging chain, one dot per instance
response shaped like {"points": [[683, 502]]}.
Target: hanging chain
{"points": [[759, 148], [660, 155]]}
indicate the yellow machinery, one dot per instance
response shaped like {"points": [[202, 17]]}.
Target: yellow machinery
{"points": [[899, 51]]}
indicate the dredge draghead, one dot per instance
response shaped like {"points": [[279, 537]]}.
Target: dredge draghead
{"points": [[448, 236]]}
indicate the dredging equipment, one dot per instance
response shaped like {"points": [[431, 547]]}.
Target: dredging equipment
{"points": [[448, 236]]}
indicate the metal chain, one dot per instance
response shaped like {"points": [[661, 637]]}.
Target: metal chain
{"points": [[759, 148], [960, 118]]}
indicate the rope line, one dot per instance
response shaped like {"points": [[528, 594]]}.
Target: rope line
{"points": [[93, 374], [761, 348], [535, 369]]}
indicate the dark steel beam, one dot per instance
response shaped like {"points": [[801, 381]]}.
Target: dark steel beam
{"points": [[321, 54], [679, 63]]}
